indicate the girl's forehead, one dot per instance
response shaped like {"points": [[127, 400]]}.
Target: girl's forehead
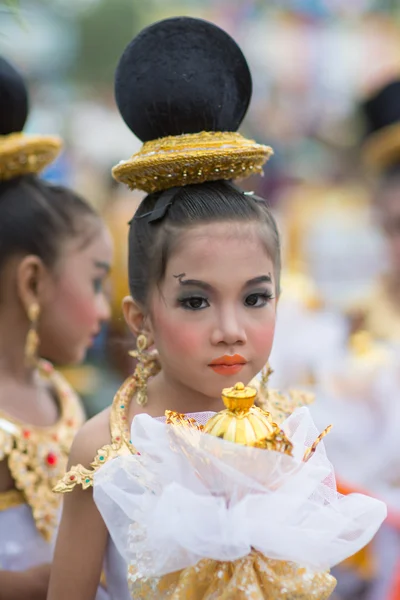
{"points": [[208, 237], [217, 248]]}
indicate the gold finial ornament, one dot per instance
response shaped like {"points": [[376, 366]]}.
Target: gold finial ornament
{"points": [[147, 366], [32, 339], [243, 423], [191, 158], [22, 154]]}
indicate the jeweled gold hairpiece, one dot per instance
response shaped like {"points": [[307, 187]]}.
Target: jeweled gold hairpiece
{"points": [[22, 154], [191, 158]]}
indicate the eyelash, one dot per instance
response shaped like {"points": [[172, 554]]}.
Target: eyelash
{"points": [[266, 297]]}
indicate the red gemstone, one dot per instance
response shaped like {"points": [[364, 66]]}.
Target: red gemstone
{"points": [[26, 434], [51, 459], [72, 477], [117, 439]]}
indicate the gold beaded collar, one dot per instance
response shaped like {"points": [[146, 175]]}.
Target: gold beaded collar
{"points": [[37, 456]]}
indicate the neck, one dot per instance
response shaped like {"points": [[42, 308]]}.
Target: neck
{"points": [[12, 352], [164, 394]]}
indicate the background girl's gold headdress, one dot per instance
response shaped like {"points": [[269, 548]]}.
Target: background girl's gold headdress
{"points": [[20, 154]]}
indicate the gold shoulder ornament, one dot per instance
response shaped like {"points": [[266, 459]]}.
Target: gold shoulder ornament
{"points": [[120, 442], [278, 404]]}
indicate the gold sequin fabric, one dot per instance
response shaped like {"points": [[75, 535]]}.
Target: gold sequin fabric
{"points": [[191, 158], [21, 154], [37, 456], [251, 578]]}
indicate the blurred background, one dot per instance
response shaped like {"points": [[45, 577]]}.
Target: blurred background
{"points": [[313, 63]]}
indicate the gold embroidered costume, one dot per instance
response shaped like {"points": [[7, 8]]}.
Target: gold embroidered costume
{"points": [[37, 456]]}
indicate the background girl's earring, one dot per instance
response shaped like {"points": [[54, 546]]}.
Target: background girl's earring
{"points": [[32, 339]]}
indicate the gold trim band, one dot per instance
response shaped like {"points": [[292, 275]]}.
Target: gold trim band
{"points": [[191, 158]]}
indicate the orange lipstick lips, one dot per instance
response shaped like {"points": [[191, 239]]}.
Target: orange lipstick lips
{"points": [[228, 365]]}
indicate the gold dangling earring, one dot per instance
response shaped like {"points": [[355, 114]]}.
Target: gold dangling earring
{"points": [[32, 339], [147, 366]]}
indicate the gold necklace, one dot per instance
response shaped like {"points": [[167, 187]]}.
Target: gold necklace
{"points": [[37, 456]]}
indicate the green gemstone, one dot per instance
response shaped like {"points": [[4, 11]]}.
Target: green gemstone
{"points": [[101, 457], [122, 406], [87, 480]]}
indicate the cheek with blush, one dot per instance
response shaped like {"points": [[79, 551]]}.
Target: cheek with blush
{"points": [[178, 339], [77, 308], [262, 337]]}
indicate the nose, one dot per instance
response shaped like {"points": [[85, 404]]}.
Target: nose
{"points": [[103, 308], [229, 329]]}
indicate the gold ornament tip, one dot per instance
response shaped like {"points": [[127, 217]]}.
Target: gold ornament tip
{"points": [[239, 397], [310, 451]]}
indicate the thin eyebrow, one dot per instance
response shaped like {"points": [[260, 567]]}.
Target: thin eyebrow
{"points": [[260, 279], [102, 265], [206, 286], [195, 283]]}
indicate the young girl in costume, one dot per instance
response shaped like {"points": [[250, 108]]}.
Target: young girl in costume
{"points": [[204, 268], [54, 255]]}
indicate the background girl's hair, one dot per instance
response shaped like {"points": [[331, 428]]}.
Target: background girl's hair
{"points": [[36, 218]]}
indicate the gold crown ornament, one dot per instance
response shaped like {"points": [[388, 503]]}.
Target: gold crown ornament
{"points": [[22, 154], [191, 158]]}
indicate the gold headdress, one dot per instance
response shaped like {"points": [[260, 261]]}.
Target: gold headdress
{"points": [[20, 154], [183, 87], [191, 158]]}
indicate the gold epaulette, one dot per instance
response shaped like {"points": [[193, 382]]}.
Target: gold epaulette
{"points": [[80, 475], [120, 442]]}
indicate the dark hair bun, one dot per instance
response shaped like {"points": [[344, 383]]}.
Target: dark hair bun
{"points": [[383, 108], [182, 75], [13, 99]]}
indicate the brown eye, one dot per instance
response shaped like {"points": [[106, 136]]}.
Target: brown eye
{"points": [[258, 300], [194, 303]]}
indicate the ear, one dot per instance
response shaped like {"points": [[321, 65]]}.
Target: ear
{"points": [[32, 281], [136, 319]]}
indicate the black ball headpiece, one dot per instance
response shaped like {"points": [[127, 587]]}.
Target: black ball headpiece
{"points": [[183, 87], [20, 154]]}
